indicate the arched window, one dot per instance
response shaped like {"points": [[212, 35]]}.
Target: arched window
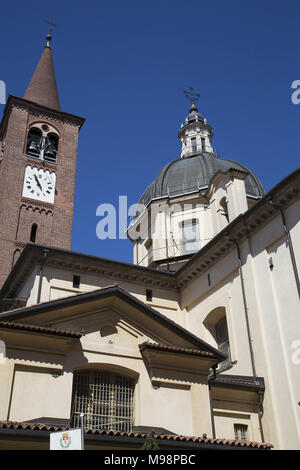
{"points": [[42, 142], [105, 398], [33, 233], [222, 339], [51, 145], [224, 208], [216, 323], [34, 142]]}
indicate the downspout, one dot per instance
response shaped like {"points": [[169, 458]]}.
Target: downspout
{"points": [[167, 247], [213, 427], [248, 330], [244, 302], [259, 414], [290, 244], [41, 275]]}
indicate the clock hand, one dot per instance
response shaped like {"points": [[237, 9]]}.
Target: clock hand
{"points": [[38, 183]]}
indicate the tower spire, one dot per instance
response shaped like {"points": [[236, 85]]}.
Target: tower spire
{"points": [[42, 88]]}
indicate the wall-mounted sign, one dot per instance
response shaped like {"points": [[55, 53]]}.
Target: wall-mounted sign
{"points": [[66, 440]]}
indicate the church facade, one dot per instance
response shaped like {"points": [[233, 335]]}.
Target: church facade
{"points": [[196, 343]]}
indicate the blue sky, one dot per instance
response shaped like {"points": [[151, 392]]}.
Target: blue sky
{"points": [[124, 65]]}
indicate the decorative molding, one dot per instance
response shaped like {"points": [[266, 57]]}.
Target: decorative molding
{"points": [[20, 244], [49, 116], [40, 164], [39, 204]]}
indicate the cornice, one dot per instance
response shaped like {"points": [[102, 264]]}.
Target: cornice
{"points": [[284, 194], [194, 125], [33, 254], [40, 111], [116, 271]]}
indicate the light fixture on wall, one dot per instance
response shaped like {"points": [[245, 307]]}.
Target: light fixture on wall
{"points": [[271, 265]]}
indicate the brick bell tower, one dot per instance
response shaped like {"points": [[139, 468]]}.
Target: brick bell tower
{"points": [[38, 150]]}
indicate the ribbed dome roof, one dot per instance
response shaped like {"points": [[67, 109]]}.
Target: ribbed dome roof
{"points": [[193, 173]]}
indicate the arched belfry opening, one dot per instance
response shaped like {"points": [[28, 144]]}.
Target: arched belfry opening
{"points": [[42, 143]]}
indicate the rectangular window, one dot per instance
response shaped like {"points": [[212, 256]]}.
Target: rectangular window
{"points": [[76, 281], [190, 236], [105, 398], [194, 144], [203, 144], [149, 295], [240, 432]]}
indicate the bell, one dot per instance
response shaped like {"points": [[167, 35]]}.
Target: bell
{"points": [[33, 146], [51, 152]]}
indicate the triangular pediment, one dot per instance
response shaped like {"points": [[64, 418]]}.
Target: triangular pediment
{"points": [[110, 307]]}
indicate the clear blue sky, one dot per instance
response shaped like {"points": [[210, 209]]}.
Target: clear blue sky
{"points": [[123, 65]]}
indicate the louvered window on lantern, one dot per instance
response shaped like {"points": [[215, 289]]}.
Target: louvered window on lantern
{"points": [[194, 144], [105, 398]]}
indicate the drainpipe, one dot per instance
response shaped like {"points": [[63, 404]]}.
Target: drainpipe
{"points": [[259, 411], [259, 414], [213, 427], [290, 244], [244, 302], [41, 275], [167, 247]]}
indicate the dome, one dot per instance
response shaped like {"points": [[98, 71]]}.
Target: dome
{"points": [[194, 173]]}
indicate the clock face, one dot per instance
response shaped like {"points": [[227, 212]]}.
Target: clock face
{"points": [[39, 184]]}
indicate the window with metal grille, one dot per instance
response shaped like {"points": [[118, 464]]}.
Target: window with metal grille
{"points": [[240, 432], [105, 398]]}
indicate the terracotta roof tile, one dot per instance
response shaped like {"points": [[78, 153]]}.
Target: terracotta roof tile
{"points": [[39, 329], [75, 294], [176, 349], [170, 437]]}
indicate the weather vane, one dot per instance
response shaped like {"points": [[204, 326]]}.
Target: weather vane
{"points": [[191, 96]]}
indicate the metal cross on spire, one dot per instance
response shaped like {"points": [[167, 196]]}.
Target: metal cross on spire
{"points": [[191, 96], [50, 25], [49, 36]]}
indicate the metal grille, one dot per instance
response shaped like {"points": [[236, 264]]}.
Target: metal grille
{"points": [[105, 398], [240, 432]]}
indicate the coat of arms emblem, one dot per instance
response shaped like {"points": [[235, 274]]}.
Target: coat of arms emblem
{"points": [[65, 440]]}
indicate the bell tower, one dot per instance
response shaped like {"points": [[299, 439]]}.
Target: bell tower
{"points": [[38, 151]]}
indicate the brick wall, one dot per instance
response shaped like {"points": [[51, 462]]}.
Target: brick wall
{"points": [[17, 214]]}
